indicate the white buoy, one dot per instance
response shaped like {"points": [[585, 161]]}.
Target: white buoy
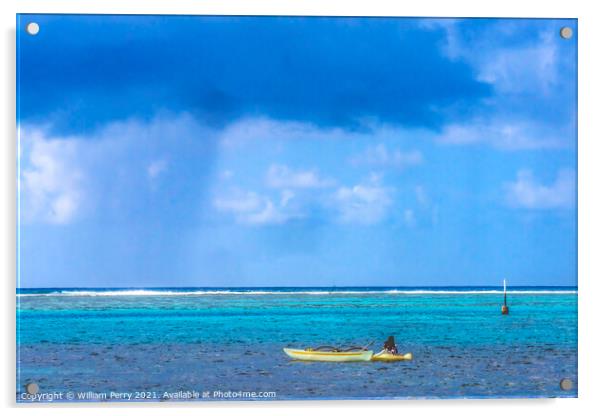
{"points": [[505, 309]]}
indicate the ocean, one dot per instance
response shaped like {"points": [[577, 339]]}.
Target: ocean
{"points": [[172, 344]]}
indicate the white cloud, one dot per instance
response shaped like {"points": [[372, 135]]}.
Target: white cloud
{"points": [[379, 155], [453, 47], [409, 218], [156, 168], [523, 72], [526, 192], [262, 128], [226, 174], [51, 183], [365, 203], [281, 176], [506, 135], [252, 130], [252, 209], [286, 196], [421, 195], [532, 68], [269, 214], [527, 66], [239, 202], [65, 178]]}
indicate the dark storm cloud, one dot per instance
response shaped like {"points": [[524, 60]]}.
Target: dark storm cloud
{"points": [[82, 71]]}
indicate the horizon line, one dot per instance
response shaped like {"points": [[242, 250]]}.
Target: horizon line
{"points": [[285, 287]]}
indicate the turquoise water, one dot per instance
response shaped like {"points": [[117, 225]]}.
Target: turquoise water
{"points": [[176, 341]]}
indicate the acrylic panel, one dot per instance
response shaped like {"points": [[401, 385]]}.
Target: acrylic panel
{"points": [[289, 208]]}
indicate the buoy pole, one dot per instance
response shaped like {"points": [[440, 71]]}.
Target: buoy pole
{"points": [[505, 309]]}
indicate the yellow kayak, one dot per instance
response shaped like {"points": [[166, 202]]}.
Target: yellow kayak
{"points": [[387, 356], [332, 356]]}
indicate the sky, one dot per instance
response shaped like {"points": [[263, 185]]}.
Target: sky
{"points": [[164, 151]]}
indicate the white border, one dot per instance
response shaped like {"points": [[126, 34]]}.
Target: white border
{"points": [[590, 201]]}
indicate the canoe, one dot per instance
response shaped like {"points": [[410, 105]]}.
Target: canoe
{"points": [[332, 356], [387, 356]]}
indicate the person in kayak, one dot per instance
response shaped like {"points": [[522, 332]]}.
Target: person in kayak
{"points": [[390, 346]]}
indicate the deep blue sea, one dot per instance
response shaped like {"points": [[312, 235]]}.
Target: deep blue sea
{"points": [[226, 343]]}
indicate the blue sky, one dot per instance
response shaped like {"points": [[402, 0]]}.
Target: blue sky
{"points": [[281, 151]]}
